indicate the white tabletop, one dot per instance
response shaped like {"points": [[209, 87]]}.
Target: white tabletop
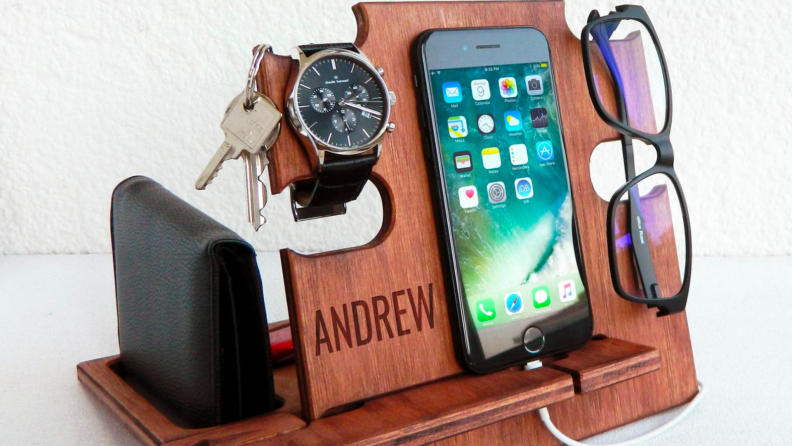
{"points": [[56, 311]]}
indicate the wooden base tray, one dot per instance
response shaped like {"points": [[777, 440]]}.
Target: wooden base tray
{"points": [[420, 415]]}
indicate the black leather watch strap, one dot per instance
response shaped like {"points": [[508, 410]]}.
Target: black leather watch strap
{"points": [[340, 181], [316, 47]]}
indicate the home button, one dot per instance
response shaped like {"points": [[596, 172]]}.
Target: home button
{"points": [[533, 340]]}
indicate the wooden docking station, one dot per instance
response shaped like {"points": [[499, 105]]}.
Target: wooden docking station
{"points": [[403, 385]]}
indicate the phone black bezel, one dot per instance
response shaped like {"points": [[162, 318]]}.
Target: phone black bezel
{"points": [[450, 267]]}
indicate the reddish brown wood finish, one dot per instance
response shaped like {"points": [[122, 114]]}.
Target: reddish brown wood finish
{"points": [[151, 427], [403, 257], [607, 361], [461, 409], [405, 253], [436, 411]]}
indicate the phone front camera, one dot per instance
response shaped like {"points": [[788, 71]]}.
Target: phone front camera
{"points": [[465, 47]]}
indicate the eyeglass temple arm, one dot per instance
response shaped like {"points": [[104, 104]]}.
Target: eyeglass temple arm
{"points": [[641, 251]]}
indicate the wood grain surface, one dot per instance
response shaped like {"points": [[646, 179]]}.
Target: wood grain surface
{"points": [[151, 427], [416, 416], [437, 410], [405, 253], [425, 397], [433, 412], [607, 361]]}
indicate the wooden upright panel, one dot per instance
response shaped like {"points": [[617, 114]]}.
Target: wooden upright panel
{"points": [[398, 276]]}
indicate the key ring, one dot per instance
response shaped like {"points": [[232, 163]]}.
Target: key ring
{"points": [[254, 68]]}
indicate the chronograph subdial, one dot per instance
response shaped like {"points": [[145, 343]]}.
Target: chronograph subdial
{"points": [[356, 93], [344, 120], [323, 100]]}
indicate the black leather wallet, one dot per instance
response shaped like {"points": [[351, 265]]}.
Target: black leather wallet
{"points": [[192, 327]]}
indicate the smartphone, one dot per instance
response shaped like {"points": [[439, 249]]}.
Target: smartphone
{"points": [[502, 191]]}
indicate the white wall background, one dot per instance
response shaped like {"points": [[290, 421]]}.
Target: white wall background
{"points": [[92, 92]]}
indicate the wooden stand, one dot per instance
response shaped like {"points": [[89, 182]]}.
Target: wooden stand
{"points": [[399, 382], [416, 416]]}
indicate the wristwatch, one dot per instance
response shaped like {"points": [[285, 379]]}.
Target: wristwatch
{"points": [[340, 106]]}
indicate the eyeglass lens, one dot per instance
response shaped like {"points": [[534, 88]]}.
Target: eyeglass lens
{"points": [[631, 85], [649, 224]]}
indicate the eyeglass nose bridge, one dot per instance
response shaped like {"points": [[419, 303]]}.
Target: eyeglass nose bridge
{"points": [[665, 152]]}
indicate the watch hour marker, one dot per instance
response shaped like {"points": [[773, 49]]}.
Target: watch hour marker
{"points": [[317, 71], [332, 61], [303, 85], [311, 126], [329, 138], [349, 141], [367, 133], [353, 68], [369, 80]]}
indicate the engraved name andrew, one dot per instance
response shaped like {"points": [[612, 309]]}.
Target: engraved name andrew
{"points": [[379, 318]]}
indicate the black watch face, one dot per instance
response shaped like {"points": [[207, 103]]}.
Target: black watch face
{"points": [[342, 102]]}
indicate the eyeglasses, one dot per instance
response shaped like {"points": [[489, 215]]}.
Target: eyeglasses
{"points": [[649, 244]]}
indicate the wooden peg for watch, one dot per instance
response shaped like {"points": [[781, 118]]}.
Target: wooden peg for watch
{"points": [[399, 381]]}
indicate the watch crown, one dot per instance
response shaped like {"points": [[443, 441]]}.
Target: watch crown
{"points": [[293, 114], [390, 127], [392, 97], [380, 71]]}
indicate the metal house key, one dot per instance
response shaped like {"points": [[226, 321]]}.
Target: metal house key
{"points": [[251, 125]]}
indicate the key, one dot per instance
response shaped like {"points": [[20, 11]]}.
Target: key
{"points": [[256, 190], [224, 153], [246, 131], [255, 163], [251, 126]]}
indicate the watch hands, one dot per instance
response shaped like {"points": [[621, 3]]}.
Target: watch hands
{"points": [[360, 107], [349, 129]]}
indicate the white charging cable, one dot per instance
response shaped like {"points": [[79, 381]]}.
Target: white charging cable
{"points": [[544, 415]]}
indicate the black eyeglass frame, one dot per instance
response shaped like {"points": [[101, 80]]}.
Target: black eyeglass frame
{"points": [[664, 164]]}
